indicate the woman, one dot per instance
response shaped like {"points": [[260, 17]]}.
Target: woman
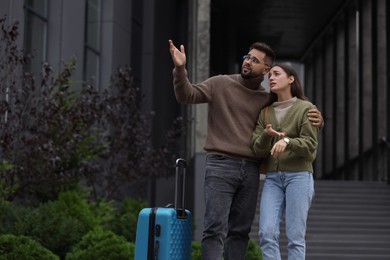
{"points": [[288, 141]]}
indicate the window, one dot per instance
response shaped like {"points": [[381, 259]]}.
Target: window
{"points": [[36, 33], [92, 41]]}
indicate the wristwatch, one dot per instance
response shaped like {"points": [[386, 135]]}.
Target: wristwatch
{"points": [[286, 140]]}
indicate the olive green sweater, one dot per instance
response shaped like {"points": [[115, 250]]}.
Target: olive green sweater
{"points": [[301, 151], [234, 104]]}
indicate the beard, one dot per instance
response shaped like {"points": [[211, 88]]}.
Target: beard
{"points": [[246, 75], [250, 75]]}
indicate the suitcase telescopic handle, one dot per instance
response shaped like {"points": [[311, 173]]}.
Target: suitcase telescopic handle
{"points": [[181, 165]]}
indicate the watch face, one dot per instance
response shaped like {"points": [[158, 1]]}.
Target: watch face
{"points": [[286, 140]]}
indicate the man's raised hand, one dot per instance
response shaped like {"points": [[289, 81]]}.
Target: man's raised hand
{"points": [[178, 56]]}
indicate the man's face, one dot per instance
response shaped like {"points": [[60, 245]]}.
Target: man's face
{"points": [[253, 65]]}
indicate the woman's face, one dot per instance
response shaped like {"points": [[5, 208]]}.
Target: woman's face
{"points": [[279, 81]]}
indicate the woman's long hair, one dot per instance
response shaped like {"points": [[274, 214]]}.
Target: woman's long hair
{"points": [[296, 87]]}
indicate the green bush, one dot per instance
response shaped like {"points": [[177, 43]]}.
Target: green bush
{"points": [[253, 252], [75, 204], [103, 210], [102, 244], [60, 224], [58, 232], [125, 220], [13, 219], [21, 247], [196, 253]]}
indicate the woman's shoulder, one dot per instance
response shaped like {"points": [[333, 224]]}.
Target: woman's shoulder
{"points": [[304, 104]]}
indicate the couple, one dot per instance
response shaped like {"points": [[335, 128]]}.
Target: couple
{"points": [[246, 123]]}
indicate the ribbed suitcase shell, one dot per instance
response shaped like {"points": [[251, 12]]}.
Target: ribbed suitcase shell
{"points": [[165, 233], [174, 238]]}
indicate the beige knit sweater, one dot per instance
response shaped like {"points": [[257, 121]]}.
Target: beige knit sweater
{"points": [[234, 105]]}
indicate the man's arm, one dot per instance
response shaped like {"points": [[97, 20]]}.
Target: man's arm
{"points": [[315, 117]]}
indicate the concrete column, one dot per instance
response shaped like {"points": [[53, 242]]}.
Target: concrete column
{"points": [[199, 43]]}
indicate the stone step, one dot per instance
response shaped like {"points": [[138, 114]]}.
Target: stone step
{"points": [[347, 220], [339, 256]]}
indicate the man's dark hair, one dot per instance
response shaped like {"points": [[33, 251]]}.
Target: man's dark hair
{"points": [[269, 52]]}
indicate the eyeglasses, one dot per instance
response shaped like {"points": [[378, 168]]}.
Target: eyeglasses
{"points": [[253, 60]]}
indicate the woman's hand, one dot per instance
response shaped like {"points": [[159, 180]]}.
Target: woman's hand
{"points": [[272, 132], [278, 148]]}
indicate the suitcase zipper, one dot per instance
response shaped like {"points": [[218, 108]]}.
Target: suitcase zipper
{"points": [[152, 254]]}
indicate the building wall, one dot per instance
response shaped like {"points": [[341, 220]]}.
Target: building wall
{"points": [[130, 33], [346, 74], [65, 34]]}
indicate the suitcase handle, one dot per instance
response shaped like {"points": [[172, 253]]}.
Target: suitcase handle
{"points": [[181, 166]]}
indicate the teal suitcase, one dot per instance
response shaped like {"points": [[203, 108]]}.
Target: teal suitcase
{"points": [[165, 233]]}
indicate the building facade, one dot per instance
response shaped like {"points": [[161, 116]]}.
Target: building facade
{"points": [[346, 73]]}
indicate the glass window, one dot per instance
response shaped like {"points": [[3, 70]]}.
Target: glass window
{"points": [[38, 6], [92, 41], [36, 33], [91, 64]]}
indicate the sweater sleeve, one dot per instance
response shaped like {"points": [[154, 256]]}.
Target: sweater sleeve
{"points": [[188, 93], [261, 143], [305, 144]]}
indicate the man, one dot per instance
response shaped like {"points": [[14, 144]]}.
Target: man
{"points": [[232, 170]]}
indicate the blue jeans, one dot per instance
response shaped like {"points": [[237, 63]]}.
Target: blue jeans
{"points": [[231, 191], [292, 192]]}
